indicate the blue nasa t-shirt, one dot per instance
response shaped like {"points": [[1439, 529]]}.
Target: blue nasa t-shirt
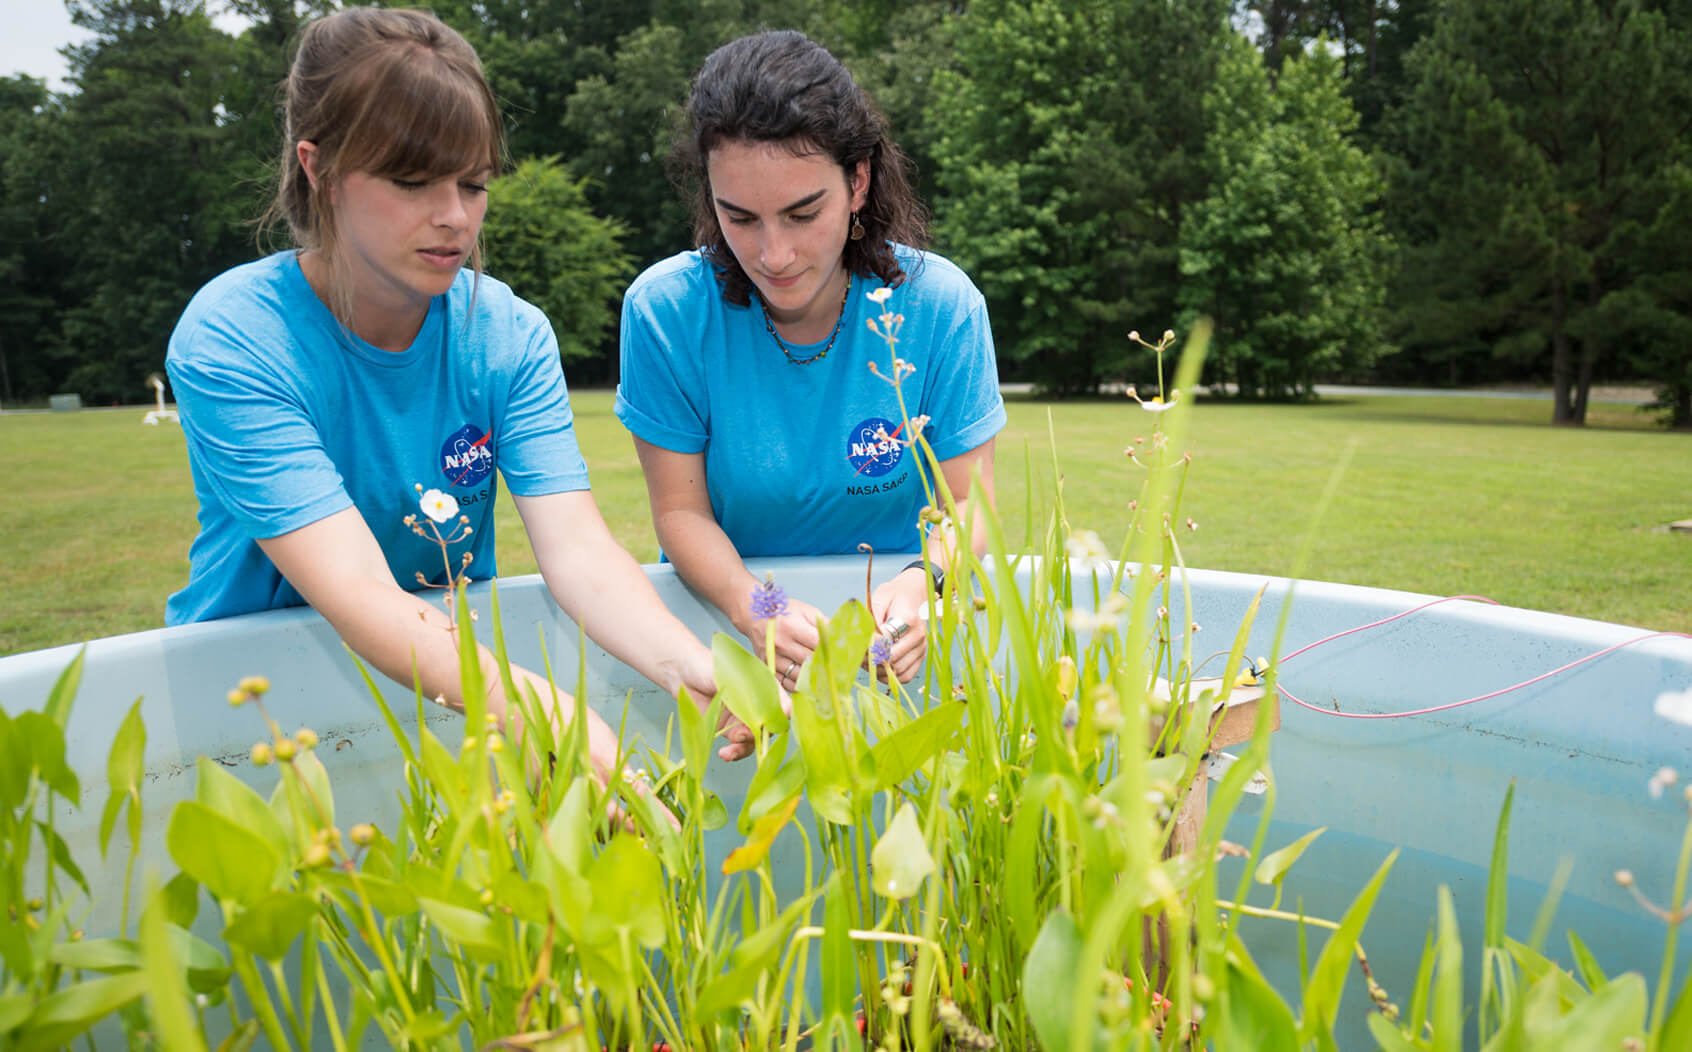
{"points": [[793, 461], [291, 418]]}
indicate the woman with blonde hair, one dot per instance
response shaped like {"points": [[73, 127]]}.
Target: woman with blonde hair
{"points": [[324, 387]]}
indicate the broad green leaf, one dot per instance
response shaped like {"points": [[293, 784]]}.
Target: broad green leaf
{"points": [[167, 992], [97, 955], [182, 894], [845, 639], [234, 863], [751, 855], [525, 899], [1387, 1035], [45, 742], [1275, 865], [828, 770], [72, 1010], [713, 815], [570, 832], [474, 932], [124, 768], [628, 892], [1613, 1017], [902, 753], [237, 801], [1535, 966], [900, 861], [270, 925], [14, 1009], [747, 686], [1254, 1016], [1050, 977], [1327, 979], [387, 897]]}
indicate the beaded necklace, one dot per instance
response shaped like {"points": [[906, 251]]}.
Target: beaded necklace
{"points": [[820, 355]]}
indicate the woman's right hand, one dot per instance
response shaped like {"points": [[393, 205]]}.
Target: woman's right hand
{"points": [[796, 639]]}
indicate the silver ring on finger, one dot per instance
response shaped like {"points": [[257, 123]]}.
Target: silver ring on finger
{"points": [[791, 665], [895, 629]]}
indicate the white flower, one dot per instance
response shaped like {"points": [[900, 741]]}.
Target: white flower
{"points": [[439, 506], [880, 295], [1664, 778], [1086, 546], [1675, 705]]}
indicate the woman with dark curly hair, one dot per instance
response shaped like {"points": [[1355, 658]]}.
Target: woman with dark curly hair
{"points": [[747, 374]]}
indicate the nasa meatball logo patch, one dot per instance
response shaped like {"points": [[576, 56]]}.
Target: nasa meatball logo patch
{"points": [[872, 447], [465, 456]]}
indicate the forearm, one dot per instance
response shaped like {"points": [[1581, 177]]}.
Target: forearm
{"points": [[708, 561], [409, 640], [635, 627]]}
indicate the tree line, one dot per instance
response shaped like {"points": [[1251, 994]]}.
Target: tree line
{"points": [[1440, 192]]}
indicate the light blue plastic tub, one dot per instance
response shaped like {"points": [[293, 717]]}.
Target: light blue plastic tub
{"points": [[1581, 746]]}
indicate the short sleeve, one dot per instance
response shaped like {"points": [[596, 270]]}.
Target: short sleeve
{"points": [[962, 398], [537, 447], [661, 395], [257, 448]]}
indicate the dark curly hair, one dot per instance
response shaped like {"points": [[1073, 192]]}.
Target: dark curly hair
{"points": [[779, 86]]}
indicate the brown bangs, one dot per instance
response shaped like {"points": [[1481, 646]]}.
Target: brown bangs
{"points": [[419, 117]]}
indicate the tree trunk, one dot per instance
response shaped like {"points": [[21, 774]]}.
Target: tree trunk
{"points": [[1562, 371], [1371, 45], [1681, 418]]}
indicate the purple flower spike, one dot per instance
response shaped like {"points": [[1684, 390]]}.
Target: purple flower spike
{"points": [[1071, 716], [768, 600], [881, 651]]}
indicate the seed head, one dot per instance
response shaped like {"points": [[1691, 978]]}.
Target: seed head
{"points": [[262, 755]]}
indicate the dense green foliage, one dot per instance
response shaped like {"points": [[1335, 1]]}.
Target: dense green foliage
{"points": [[1430, 191]]}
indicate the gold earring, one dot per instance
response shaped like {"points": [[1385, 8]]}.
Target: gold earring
{"points": [[857, 228]]}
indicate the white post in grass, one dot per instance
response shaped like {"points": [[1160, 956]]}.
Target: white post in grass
{"points": [[160, 413]]}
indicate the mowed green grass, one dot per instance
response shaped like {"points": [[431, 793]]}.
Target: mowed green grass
{"points": [[1443, 495]]}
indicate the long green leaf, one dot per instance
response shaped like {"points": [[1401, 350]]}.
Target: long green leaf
{"points": [[59, 699], [1327, 979], [124, 768], [167, 992]]}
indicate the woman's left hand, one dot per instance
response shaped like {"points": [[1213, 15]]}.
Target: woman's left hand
{"points": [[903, 602]]}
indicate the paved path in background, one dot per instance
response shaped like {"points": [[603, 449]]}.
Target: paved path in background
{"points": [[1627, 395]]}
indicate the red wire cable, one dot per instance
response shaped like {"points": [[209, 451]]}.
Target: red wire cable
{"points": [[1290, 696]]}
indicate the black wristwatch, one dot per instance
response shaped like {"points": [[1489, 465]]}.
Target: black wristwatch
{"points": [[937, 572]]}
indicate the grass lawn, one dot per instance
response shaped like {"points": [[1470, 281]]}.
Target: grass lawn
{"points": [[1443, 496]]}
